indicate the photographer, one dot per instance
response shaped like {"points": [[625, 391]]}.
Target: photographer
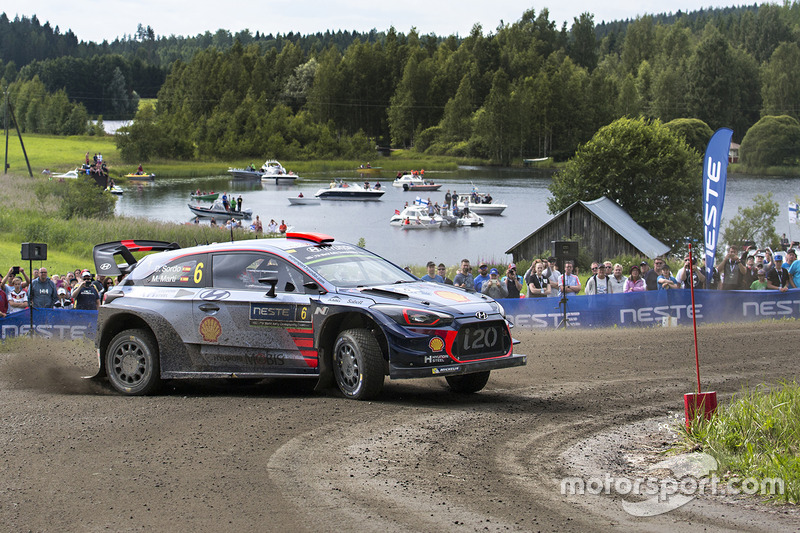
{"points": [[732, 271], [698, 278], [8, 280], [493, 287], [512, 281], [85, 294]]}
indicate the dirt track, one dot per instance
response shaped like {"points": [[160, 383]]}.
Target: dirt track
{"points": [[76, 457]]}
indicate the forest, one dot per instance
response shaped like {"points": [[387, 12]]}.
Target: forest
{"points": [[525, 89]]}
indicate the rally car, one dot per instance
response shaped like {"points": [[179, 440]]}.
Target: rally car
{"points": [[301, 306]]}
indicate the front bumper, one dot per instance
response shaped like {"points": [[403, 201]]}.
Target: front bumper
{"points": [[453, 368]]}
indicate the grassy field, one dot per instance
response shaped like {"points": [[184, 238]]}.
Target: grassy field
{"points": [[757, 435], [59, 154]]}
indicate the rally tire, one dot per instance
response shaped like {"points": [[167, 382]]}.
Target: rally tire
{"points": [[132, 363], [468, 383], [358, 364]]}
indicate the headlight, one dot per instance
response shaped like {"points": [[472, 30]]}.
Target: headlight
{"points": [[410, 316], [498, 308]]}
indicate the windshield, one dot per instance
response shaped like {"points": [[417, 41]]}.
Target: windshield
{"points": [[345, 266]]}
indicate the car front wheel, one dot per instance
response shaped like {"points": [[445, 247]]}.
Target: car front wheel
{"points": [[468, 383], [358, 364], [132, 362]]}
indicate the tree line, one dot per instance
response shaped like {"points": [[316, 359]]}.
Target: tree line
{"points": [[527, 89]]}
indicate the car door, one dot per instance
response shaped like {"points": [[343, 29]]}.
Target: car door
{"points": [[247, 326]]}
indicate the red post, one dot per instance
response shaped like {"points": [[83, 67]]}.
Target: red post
{"points": [[700, 404]]}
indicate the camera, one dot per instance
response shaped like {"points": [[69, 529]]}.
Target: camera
{"points": [[15, 270]]}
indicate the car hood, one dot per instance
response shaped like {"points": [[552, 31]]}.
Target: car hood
{"points": [[426, 295]]}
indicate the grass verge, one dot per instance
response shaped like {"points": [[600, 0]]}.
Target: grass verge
{"points": [[757, 436]]}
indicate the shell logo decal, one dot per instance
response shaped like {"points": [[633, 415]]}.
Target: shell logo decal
{"points": [[210, 329], [436, 344], [449, 295]]}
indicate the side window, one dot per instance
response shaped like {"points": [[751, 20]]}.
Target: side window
{"points": [[244, 270], [189, 271]]}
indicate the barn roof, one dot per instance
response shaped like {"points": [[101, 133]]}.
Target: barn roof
{"points": [[617, 219]]}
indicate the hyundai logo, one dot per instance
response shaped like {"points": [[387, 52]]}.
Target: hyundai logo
{"points": [[105, 266], [481, 315]]}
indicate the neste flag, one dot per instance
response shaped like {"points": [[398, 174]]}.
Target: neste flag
{"points": [[715, 174], [792, 213]]}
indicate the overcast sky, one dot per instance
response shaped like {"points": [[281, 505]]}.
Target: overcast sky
{"points": [[95, 20]]}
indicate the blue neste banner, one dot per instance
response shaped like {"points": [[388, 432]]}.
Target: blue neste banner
{"points": [[650, 308], [715, 174], [63, 324], [635, 309]]}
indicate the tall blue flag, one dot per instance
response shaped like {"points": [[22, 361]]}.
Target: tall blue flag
{"points": [[715, 175]]}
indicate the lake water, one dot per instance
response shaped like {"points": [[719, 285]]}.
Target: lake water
{"points": [[523, 190]]}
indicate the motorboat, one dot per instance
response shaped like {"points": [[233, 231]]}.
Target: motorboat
{"points": [[114, 189], [484, 206], [71, 174], [210, 197], [408, 179], [468, 219], [415, 213], [409, 224], [340, 190], [245, 173], [280, 178], [272, 170], [140, 176], [218, 210], [427, 186], [303, 200]]}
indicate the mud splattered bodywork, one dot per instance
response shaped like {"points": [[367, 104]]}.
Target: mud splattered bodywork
{"points": [[303, 306]]}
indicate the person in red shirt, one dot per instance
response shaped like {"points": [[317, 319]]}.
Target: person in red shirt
{"points": [[282, 227]]}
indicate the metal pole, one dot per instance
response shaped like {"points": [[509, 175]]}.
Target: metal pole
{"points": [[694, 318], [5, 127]]}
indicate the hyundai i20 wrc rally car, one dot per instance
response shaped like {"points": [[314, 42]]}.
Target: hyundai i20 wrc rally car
{"points": [[301, 306]]}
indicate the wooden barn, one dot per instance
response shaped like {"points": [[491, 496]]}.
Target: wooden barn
{"points": [[605, 229]]}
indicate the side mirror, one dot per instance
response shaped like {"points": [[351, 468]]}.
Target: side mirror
{"points": [[272, 281], [312, 286]]}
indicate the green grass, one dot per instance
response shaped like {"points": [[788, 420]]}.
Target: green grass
{"points": [[60, 154], [57, 153], [757, 435]]}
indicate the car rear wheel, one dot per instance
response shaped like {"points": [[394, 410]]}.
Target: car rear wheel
{"points": [[358, 364], [468, 383], [132, 362]]}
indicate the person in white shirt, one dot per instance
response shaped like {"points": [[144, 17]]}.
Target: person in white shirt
{"points": [[617, 280]]}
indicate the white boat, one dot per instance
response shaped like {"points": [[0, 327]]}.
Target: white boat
{"points": [[408, 179], [344, 191], [217, 209], [484, 206], [469, 219], [304, 200], [116, 189], [72, 174], [272, 170], [413, 213], [245, 173], [409, 224]]}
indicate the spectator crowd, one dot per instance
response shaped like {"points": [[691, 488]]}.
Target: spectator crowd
{"points": [[749, 270], [74, 290]]}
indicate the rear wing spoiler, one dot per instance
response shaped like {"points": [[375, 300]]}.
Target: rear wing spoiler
{"points": [[106, 264]]}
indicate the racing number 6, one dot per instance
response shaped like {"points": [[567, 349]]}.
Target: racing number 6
{"points": [[198, 273]]}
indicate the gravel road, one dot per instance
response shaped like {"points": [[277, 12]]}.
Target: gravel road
{"points": [[277, 456]]}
